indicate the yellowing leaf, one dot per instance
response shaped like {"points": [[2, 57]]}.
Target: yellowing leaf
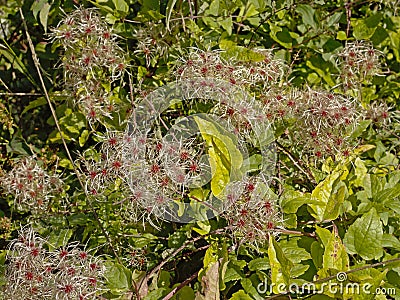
{"points": [[280, 265]]}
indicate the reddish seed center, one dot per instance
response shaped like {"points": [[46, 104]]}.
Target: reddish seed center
{"points": [[184, 155], [92, 281], [35, 252], [155, 169], [117, 164], [193, 167], [63, 253], [268, 207], [71, 271], [112, 141], [250, 187], [230, 111], [165, 181], [68, 288], [241, 223], [29, 275]]}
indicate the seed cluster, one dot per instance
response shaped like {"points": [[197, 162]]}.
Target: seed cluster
{"points": [[358, 62], [252, 213], [33, 272], [152, 172], [32, 187], [320, 122], [92, 59], [264, 71]]}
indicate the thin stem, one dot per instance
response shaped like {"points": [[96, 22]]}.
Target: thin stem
{"points": [[179, 287], [20, 94], [46, 94], [285, 231], [173, 254], [348, 17], [297, 163]]}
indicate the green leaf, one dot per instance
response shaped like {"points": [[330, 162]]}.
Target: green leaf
{"points": [[186, 293], [364, 236], [291, 205], [17, 63], [307, 13], [227, 25], [35, 103], [395, 41], [151, 5], [233, 51], [37, 6], [360, 171], [373, 21], [361, 127], [261, 263], [240, 295], [388, 195], [379, 36], [341, 35], [334, 203], [317, 254], [281, 35], [44, 14], [324, 234], [213, 8], [59, 238], [390, 241], [118, 278], [249, 288], [322, 67], [232, 273], [121, 6], [361, 31], [280, 265], [83, 137]]}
